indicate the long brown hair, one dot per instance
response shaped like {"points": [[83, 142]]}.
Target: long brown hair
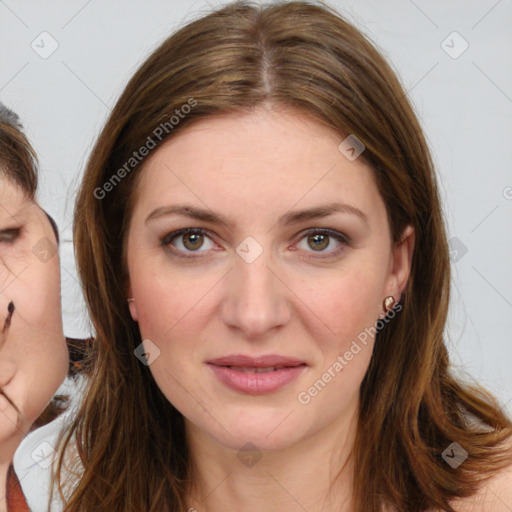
{"points": [[130, 439]]}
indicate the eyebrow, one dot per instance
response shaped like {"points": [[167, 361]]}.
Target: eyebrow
{"points": [[289, 218]]}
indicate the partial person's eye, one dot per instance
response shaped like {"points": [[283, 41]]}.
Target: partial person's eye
{"points": [[9, 235], [320, 239]]}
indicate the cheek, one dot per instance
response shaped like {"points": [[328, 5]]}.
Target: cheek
{"points": [[13, 263], [348, 307], [35, 335], [168, 303], [345, 304], [174, 311], [36, 296], [35, 343]]}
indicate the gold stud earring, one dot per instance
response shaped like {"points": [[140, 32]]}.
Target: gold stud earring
{"points": [[389, 302]]}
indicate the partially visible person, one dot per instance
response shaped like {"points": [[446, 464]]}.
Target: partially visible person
{"points": [[33, 353]]}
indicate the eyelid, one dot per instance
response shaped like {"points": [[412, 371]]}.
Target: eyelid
{"points": [[338, 235], [343, 239]]}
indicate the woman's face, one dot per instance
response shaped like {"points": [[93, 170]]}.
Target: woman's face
{"points": [[271, 287], [33, 352]]}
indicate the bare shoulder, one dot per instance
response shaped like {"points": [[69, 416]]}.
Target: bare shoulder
{"points": [[495, 495]]}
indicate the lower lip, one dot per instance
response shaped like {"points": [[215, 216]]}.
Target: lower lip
{"points": [[256, 383]]}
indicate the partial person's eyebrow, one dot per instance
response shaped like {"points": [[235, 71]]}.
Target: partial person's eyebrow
{"points": [[289, 218]]}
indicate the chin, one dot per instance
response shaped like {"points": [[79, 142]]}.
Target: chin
{"points": [[266, 432], [248, 440]]}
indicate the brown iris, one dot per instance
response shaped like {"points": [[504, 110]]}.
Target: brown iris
{"points": [[193, 241], [320, 241]]}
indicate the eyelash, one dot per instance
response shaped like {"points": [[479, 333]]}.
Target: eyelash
{"points": [[167, 239], [9, 235]]}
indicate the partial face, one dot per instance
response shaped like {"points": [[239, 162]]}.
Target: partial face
{"points": [[248, 314], [33, 353]]}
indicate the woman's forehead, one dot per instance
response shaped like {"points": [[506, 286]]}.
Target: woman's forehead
{"points": [[265, 160], [280, 133]]}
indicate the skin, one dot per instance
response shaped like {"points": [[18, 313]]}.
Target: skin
{"points": [[292, 300], [33, 352]]}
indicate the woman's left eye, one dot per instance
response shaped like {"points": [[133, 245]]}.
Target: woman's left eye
{"points": [[320, 239], [190, 240], [9, 235]]}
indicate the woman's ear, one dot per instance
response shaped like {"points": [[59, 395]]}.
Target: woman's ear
{"points": [[131, 304], [402, 253]]}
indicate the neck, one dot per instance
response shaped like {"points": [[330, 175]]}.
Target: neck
{"points": [[315, 474]]}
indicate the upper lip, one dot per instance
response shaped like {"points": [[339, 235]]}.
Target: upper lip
{"points": [[263, 361]]}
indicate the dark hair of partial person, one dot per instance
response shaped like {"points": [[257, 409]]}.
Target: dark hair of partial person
{"points": [[308, 57], [18, 161]]}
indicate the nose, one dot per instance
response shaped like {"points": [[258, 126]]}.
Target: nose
{"points": [[256, 300]]}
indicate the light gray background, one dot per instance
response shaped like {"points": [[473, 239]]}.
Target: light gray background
{"points": [[464, 103]]}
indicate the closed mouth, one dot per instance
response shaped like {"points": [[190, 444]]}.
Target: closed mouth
{"points": [[258, 369]]}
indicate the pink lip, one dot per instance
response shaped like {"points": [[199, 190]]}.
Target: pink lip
{"points": [[256, 383], [256, 362]]}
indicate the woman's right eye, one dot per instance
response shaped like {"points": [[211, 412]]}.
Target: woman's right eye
{"points": [[191, 241], [9, 235]]}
